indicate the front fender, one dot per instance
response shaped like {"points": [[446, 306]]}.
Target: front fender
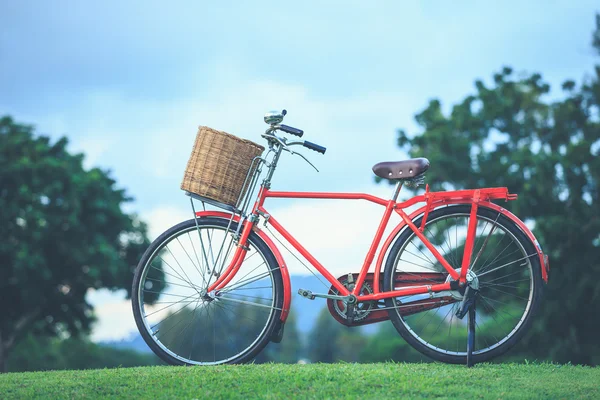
{"points": [[544, 263], [287, 287]]}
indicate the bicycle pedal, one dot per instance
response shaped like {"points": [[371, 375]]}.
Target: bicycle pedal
{"points": [[306, 293]]}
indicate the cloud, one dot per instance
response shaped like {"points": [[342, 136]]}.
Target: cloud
{"points": [[114, 315], [147, 142]]}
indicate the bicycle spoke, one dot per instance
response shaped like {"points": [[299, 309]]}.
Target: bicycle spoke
{"points": [[164, 294], [487, 267], [251, 271], [180, 267], [171, 275], [248, 296], [203, 271], [188, 281], [442, 321], [190, 258], [472, 267], [167, 283], [486, 264], [226, 256], [420, 258], [253, 288], [172, 304], [421, 251], [170, 315], [507, 264], [454, 260], [190, 323], [248, 281], [506, 284], [420, 266], [504, 276], [510, 294], [248, 303]]}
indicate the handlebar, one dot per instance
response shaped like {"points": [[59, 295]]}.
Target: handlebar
{"points": [[291, 130], [274, 119], [270, 135], [314, 146]]}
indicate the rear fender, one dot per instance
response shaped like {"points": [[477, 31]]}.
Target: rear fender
{"points": [[287, 287], [544, 263]]}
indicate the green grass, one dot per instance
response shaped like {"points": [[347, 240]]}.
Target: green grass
{"points": [[319, 381]]}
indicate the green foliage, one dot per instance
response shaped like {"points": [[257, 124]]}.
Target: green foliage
{"points": [[290, 348], [44, 353], [321, 381], [63, 231], [509, 134], [388, 345], [329, 341]]}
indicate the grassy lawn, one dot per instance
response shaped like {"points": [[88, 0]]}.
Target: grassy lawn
{"points": [[318, 381]]}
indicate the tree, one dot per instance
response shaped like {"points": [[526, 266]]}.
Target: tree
{"points": [[290, 348], [387, 345], [63, 231], [48, 353], [329, 341], [510, 134]]}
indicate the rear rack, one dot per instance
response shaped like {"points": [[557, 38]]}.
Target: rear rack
{"points": [[434, 199], [500, 193]]}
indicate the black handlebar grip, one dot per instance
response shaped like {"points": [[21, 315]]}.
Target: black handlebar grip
{"points": [[315, 147], [291, 131]]}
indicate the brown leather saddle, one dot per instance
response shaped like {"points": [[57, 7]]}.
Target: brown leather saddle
{"points": [[406, 169]]}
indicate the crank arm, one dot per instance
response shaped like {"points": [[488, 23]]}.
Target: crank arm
{"points": [[311, 296]]}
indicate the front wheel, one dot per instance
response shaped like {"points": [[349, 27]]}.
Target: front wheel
{"points": [[185, 325], [504, 264]]}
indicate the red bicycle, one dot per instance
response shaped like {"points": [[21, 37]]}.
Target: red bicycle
{"points": [[215, 289]]}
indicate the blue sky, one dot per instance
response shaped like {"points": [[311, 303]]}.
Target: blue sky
{"points": [[129, 82]]}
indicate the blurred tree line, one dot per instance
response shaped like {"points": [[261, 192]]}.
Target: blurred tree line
{"points": [[63, 229], [36, 353]]}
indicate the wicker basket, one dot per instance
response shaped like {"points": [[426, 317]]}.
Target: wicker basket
{"points": [[219, 165]]}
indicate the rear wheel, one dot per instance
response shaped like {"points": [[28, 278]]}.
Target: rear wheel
{"points": [[504, 264], [180, 321]]}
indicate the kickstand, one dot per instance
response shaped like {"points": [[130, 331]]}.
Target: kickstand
{"points": [[471, 334]]}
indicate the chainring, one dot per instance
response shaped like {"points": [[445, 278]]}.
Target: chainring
{"points": [[361, 310]]}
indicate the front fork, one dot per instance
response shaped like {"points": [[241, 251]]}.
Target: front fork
{"points": [[238, 257]]}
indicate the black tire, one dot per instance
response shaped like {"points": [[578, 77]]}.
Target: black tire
{"points": [[530, 273], [227, 338]]}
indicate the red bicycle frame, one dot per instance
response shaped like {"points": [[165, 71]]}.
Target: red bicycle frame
{"points": [[432, 200]]}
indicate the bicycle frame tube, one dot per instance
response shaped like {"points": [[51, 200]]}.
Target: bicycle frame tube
{"points": [[390, 206], [342, 290]]}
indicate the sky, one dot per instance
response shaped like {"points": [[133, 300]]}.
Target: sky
{"points": [[129, 82]]}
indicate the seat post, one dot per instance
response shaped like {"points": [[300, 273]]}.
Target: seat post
{"points": [[397, 191]]}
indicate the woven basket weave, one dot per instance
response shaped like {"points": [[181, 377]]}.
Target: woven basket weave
{"points": [[219, 165]]}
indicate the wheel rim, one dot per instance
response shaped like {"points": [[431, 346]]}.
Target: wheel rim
{"points": [[504, 271], [191, 325]]}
